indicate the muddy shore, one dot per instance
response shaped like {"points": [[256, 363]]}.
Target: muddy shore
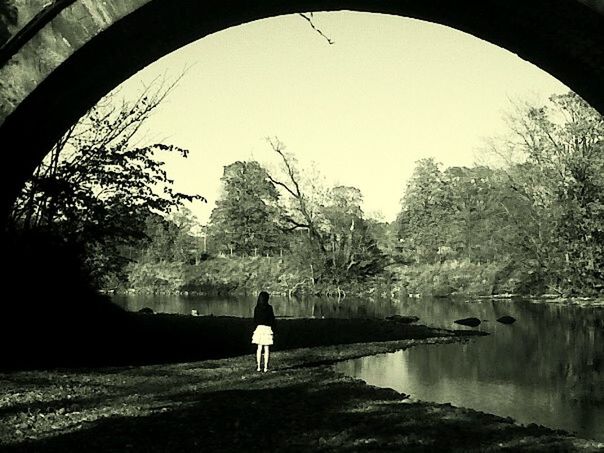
{"points": [[302, 404], [138, 339]]}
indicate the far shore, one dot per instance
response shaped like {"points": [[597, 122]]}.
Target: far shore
{"points": [[545, 298]]}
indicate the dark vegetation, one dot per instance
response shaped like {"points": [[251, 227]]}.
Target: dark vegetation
{"points": [[528, 221]]}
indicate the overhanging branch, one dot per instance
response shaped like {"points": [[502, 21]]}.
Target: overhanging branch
{"points": [[309, 19]]}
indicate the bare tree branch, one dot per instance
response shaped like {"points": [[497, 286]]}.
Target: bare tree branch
{"points": [[296, 192], [309, 19]]}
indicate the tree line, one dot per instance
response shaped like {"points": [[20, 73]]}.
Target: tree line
{"points": [[538, 211], [323, 228], [529, 220], [534, 211]]}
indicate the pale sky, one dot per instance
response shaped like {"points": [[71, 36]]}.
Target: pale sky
{"points": [[390, 91]]}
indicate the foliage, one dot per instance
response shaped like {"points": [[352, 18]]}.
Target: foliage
{"points": [[97, 187], [352, 251], [322, 230], [532, 225], [170, 247], [451, 214], [453, 277], [246, 219], [541, 213], [170, 239], [423, 220], [561, 184], [338, 245], [156, 278]]}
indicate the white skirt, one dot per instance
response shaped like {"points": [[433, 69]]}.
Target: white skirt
{"points": [[263, 335]]}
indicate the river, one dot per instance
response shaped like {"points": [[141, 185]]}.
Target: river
{"points": [[546, 368]]}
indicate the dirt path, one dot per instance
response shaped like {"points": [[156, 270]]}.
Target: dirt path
{"points": [[225, 405]]}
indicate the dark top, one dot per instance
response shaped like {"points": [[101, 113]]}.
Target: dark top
{"points": [[263, 314]]}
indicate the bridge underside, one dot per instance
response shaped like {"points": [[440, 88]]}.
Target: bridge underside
{"points": [[96, 47]]}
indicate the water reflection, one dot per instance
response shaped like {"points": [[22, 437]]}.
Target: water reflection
{"points": [[545, 368], [243, 306]]}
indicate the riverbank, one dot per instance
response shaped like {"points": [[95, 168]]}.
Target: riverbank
{"points": [[124, 338], [225, 405], [228, 276], [222, 275]]}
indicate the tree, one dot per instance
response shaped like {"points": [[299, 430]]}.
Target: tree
{"points": [[303, 212], [96, 187], [337, 245], [475, 228], [386, 237], [353, 252], [426, 208], [246, 219], [561, 180], [170, 239]]}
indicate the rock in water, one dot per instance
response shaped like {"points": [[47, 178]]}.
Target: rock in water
{"points": [[506, 320], [146, 310], [402, 319], [471, 322]]}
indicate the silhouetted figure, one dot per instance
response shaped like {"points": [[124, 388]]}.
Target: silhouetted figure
{"points": [[264, 319]]}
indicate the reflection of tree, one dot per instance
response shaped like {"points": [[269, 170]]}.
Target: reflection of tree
{"points": [[550, 347]]}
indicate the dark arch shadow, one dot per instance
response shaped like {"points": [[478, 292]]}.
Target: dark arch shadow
{"points": [[563, 37]]}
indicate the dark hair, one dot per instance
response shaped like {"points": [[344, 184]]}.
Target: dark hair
{"points": [[263, 298]]}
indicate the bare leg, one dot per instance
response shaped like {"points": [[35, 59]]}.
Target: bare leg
{"points": [[258, 355], [266, 354]]}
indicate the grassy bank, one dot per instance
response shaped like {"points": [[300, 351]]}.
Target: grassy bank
{"points": [[225, 405], [280, 275]]}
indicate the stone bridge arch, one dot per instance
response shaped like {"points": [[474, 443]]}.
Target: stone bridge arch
{"points": [[63, 56]]}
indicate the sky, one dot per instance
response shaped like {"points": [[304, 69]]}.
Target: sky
{"points": [[390, 91]]}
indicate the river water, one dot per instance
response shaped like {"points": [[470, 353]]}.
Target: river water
{"points": [[546, 368]]}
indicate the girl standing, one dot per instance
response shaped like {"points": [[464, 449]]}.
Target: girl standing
{"points": [[264, 320]]}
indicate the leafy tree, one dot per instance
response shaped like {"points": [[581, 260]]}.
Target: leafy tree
{"points": [[386, 237], [170, 239], [337, 245], [96, 187], [424, 218], [352, 251], [475, 224], [162, 261], [561, 179], [541, 214], [246, 218]]}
